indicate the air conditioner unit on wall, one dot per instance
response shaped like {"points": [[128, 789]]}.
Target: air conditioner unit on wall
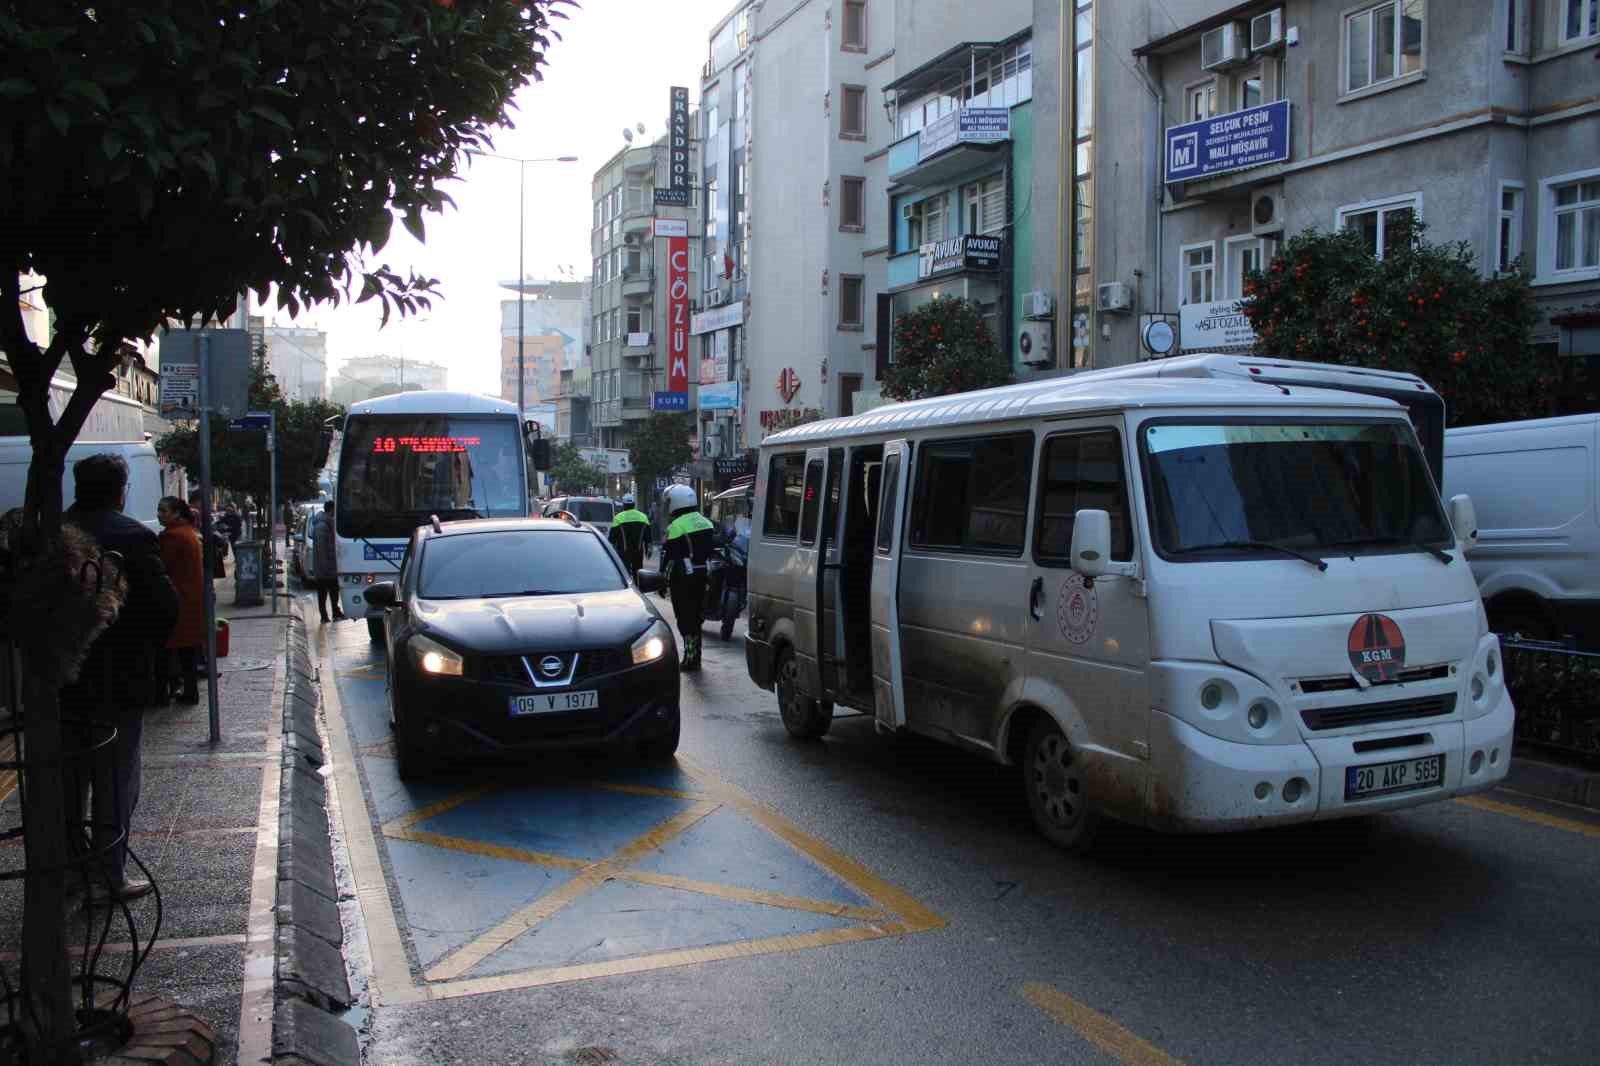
{"points": [[1037, 304], [1115, 296], [1267, 211], [1223, 47], [1036, 344], [1266, 31]]}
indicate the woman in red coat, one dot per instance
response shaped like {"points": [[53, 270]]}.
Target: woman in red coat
{"points": [[180, 552]]}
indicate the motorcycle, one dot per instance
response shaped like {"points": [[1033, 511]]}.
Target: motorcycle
{"points": [[726, 583]]}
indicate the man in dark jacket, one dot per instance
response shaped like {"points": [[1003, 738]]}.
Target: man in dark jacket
{"points": [[123, 672], [685, 557]]}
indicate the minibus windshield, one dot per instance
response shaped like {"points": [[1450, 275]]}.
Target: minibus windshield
{"points": [[1320, 488]]}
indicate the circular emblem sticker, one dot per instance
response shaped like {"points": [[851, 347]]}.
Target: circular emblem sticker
{"points": [[1377, 648], [1077, 610]]}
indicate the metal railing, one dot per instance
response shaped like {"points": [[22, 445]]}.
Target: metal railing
{"points": [[1556, 689]]}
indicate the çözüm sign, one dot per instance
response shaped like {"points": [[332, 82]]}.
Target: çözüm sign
{"points": [[677, 190], [678, 316], [1214, 326], [1251, 137], [972, 252]]}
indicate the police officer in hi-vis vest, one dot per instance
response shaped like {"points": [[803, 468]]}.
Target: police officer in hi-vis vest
{"points": [[685, 556], [630, 534]]}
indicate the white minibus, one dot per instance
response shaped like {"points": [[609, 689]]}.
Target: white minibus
{"points": [[1195, 603]]}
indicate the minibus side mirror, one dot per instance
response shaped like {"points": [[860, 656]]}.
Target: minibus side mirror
{"points": [[1091, 542], [539, 451], [1464, 521], [381, 594]]}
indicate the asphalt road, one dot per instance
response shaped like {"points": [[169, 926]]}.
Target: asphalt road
{"points": [[865, 900]]}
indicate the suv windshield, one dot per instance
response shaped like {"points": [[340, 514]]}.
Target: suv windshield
{"points": [[516, 563], [1227, 488], [396, 470]]}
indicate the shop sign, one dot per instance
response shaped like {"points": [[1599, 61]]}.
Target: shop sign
{"points": [[788, 384], [969, 125], [717, 318], [672, 227], [678, 315], [723, 396], [735, 467], [972, 252], [677, 191], [670, 401], [1215, 326], [719, 355], [788, 417], [1251, 137]]}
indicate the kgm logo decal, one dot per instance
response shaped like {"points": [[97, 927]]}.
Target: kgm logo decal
{"points": [[1377, 647]]}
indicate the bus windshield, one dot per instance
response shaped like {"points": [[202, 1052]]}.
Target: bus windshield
{"points": [[1221, 489], [397, 470]]}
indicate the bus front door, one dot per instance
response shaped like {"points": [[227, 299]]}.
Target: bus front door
{"points": [[888, 682], [811, 637]]}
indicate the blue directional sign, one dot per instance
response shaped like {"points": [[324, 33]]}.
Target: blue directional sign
{"points": [[1252, 137], [256, 420], [670, 401]]}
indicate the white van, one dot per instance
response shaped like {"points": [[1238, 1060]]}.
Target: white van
{"points": [[1536, 485], [144, 474], [1196, 604]]}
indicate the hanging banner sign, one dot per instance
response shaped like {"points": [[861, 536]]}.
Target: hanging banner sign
{"points": [[678, 317], [1214, 326], [677, 190]]}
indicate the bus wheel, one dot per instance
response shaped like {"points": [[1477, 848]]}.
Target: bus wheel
{"points": [[803, 717], [1057, 797], [375, 630]]}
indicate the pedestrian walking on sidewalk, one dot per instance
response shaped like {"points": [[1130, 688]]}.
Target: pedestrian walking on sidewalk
{"points": [[325, 563], [122, 674], [180, 553]]}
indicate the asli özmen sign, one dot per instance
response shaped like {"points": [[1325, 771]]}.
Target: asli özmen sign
{"points": [[677, 191], [1252, 137]]}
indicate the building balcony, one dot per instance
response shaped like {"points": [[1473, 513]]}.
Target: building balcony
{"points": [[638, 219], [638, 159], [949, 146], [639, 282]]}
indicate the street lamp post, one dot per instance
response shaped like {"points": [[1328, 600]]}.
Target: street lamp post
{"points": [[522, 200]]}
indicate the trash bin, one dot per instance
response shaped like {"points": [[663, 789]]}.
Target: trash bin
{"points": [[247, 557]]}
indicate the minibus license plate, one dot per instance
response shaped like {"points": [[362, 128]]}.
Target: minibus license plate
{"points": [[588, 700], [1381, 779]]}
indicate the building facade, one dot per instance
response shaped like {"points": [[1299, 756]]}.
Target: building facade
{"points": [[298, 359], [630, 298], [368, 376], [555, 324], [1241, 124]]}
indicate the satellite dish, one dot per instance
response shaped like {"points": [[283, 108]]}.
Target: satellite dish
{"points": [[640, 128], [627, 134]]}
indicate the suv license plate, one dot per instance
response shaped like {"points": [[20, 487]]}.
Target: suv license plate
{"points": [[588, 700], [1384, 778]]}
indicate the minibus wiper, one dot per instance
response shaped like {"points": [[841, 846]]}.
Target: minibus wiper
{"points": [[1252, 545], [1403, 542]]}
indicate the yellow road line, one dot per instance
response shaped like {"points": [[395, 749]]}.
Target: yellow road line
{"points": [[1096, 1028], [752, 895], [917, 918], [644, 790], [8, 779], [480, 847], [591, 877], [433, 810], [660, 961], [1527, 814]]}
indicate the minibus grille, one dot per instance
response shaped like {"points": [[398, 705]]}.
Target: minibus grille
{"points": [[1313, 685], [1370, 713]]}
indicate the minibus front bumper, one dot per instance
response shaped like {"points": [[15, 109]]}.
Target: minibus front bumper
{"points": [[1203, 784]]}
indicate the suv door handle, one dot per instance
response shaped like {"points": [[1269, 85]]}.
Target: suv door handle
{"points": [[1035, 597]]}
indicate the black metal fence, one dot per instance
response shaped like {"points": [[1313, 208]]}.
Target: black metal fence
{"points": [[1556, 689]]}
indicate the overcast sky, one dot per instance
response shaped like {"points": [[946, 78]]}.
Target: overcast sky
{"points": [[612, 69]]}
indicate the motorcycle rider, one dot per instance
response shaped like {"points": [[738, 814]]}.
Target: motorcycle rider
{"points": [[630, 534], [685, 558]]}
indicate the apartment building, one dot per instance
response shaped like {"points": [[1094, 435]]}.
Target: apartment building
{"points": [[367, 376], [554, 323], [630, 294], [298, 358], [1239, 124]]}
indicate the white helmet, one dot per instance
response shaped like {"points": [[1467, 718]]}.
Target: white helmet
{"points": [[680, 496], [627, 499]]}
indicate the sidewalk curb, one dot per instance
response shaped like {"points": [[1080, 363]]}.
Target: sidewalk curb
{"points": [[1553, 781], [312, 988]]}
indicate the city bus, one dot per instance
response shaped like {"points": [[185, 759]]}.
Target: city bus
{"points": [[406, 458]]}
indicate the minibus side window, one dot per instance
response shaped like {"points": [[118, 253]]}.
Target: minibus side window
{"points": [[1081, 471], [890, 484], [783, 497], [972, 495], [812, 503]]}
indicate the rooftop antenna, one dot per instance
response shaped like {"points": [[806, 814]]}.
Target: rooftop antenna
{"points": [[627, 134]]}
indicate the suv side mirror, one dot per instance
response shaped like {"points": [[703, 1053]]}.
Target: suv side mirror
{"points": [[649, 581], [1091, 542], [1464, 521], [381, 594]]}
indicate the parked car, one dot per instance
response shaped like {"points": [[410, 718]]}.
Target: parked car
{"points": [[1536, 486], [144, 474], [594, 511], [519, 635], [300, 538]]}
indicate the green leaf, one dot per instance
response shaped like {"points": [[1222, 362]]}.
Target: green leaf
{"points": [[15, 88], [111, 144], [58, 117], [413, 224], [273, 116], [89, 91]]}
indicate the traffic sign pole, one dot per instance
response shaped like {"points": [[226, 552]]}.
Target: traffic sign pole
{"points": [[205, 537], [272, 513]]}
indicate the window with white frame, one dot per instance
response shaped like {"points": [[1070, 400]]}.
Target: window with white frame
{"points": [[1242, 256], [1201, 102], [1569, 229], [985, 205], [636, 318], [1383, 42], [1508, 236], [1002, 77], [1381, 224], [1580, 19], [1199, 273]]}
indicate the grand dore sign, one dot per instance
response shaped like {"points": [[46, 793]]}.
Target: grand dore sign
{"points": [[1216, 326]]}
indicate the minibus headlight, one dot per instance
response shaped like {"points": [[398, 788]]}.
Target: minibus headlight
{"points": [[652, 643], [431, 657]]}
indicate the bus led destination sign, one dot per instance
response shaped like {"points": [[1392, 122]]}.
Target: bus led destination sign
{"points": [[1252, 137], [423, 445]]}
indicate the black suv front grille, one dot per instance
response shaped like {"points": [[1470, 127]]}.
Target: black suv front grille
{"points": [[592, 662], [1370, 713]]}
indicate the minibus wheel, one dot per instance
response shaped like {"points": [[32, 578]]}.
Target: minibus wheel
{"points": [[1053, 780], [803, 717]]}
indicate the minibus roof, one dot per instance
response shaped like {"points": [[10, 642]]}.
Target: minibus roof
{"points": [[433, 402], [1079, 394]]}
